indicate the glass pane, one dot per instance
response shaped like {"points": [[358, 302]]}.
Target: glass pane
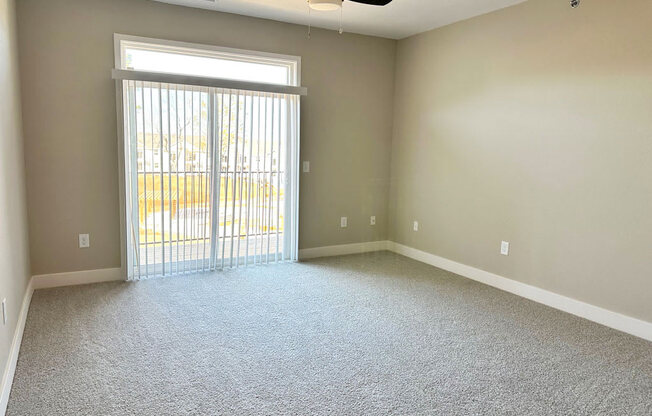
{"points": [[209, 177], [205, 66]]}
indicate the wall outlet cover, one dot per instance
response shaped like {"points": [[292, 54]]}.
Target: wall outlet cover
{"points": [[372, 220], [84, 241], [415, 226]]}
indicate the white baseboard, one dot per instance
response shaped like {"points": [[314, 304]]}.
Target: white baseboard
{"points": [[615, 320], [44, 281], [340, 250], [12, 359], [593, 313]]}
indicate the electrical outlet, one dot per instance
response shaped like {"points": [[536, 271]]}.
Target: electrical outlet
{"points": [[415, 226], [372, 220], [306, 167], [344, 222], [4, 311], [84, 241], [504, 248]]}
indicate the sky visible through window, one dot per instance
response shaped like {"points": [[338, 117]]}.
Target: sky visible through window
{"points": [[203, 66]]}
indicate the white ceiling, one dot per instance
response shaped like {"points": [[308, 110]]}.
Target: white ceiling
{"points": [[397, 20]]}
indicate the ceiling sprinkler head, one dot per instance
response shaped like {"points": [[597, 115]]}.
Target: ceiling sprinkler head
{"points": [[575, 3]]}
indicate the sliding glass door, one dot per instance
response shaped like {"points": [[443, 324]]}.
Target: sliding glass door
{"points": [[211, 177]]}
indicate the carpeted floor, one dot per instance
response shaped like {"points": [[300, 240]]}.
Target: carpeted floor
{"points": [[365, 334]]}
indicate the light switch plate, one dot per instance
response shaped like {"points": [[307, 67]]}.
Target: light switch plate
{"points": [[504, 248], [4, 311], [372, 220], [306, 167], [415, 226], [344, 222]]}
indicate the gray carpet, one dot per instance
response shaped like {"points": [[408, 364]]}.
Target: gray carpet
{"points": [[366, 334]]}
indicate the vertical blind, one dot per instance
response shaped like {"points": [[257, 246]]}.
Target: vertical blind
{"points": [[211, 178]]}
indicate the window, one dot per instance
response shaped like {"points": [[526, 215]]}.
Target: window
{"points": [[215, 210], [206, 61]]}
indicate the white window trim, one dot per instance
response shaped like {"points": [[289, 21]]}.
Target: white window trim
{"points": [[292, 62]]}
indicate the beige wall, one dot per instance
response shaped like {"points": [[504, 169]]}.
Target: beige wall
{"points": [[533, 125], [530, 124], [66, 50], [14, 255]]}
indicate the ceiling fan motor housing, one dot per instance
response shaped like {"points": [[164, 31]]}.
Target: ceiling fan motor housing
{"points": [[329, 5], [325, 5]]}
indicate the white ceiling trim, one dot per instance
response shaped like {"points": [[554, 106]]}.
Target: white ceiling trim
{"points": [[397, 20]]}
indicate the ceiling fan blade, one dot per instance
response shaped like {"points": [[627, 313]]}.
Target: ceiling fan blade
{"points": [[373, 2]]}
